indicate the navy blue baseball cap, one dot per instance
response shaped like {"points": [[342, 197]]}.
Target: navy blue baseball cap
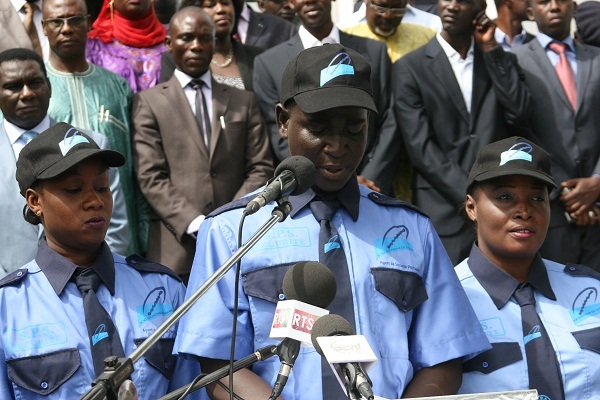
{"points": [[56, 150], [328, 76], [512, 156]]}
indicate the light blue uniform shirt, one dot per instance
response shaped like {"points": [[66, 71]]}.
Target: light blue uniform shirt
{"points": [[45, 346], [568, 304], [408, 302]]}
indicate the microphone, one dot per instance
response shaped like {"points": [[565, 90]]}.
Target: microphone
{"points": [[309, 286], [294, 175], [358, 382]]}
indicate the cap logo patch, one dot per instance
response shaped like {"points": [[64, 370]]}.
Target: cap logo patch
{"points": [[343, 66], [519, 151], [70, 141]]}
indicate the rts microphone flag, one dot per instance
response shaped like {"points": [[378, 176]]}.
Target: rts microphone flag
{"points": [[308, 286]]}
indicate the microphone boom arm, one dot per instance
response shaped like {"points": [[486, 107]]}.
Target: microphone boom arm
{"points": [[111, 378]]}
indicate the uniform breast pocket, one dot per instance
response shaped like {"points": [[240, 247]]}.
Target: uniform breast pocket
{"points": [[404, 288], [588, 339], [44, 373], [500, 355], [160, 356]]}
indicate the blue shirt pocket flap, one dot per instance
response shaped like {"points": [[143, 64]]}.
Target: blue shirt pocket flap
{"points": [[266, 283], [500, 355], [160, 356], [405, 289], [44, 373], [588, 339]]}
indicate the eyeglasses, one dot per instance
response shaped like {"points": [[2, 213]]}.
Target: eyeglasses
{"points": [[74, 21], [396, 12]]}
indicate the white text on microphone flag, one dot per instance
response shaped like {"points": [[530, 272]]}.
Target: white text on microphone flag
{"points": [[295, 319]]}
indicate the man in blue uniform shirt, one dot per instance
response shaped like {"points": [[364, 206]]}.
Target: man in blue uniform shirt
{"points": [[402, 293]]}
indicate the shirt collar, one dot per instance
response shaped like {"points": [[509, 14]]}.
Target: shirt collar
{"points": [[309, 41], [14, 132], [184, 79], [348, 196], [245, 14], [18, 4], [451, 53], [59, 270], [504, 41], [545, 40], [499, 284]]}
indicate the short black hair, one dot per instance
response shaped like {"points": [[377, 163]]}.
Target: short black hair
{"points": [[22, 54], [191, 3]]}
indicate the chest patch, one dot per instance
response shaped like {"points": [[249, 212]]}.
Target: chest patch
{"points": [[585, 305], [154, 306], [284, 237], [38, 336], [493, 327]]}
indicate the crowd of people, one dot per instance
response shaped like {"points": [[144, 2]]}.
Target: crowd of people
{"points": [[457, 191]]}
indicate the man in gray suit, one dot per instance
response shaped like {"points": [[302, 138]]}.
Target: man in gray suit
{"points": [[318, 28], [13, 34], [568, 127], [24, 100], [452, 96], [190, 157]]}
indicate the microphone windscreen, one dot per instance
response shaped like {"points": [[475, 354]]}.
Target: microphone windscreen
{"points": [[302, 168], [310, 282], [330, 325]]}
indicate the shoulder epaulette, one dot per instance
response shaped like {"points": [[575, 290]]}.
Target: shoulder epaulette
{"points": [[239, 203], [384, 200], [581, 270], [141, 264], [14, 277]]}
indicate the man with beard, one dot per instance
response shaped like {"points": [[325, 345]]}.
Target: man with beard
{"points": [[384, 21], [452, 96]]}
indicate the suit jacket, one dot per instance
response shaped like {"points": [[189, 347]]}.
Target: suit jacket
{"points": [[244, 55], [176, 173], [441, 136], [572, 137], [268, 72], [12, 31], [266, 31], [18, 238]]}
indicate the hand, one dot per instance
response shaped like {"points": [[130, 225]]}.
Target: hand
{"points": [[368, 183], [484, 32], [581, 195], [591, 217]]}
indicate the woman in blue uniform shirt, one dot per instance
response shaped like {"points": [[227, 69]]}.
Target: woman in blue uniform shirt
{"points": [[551, 342], [46, 347]]}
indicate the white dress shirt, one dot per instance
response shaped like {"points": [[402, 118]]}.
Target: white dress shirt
{"points": [[14, 134], [463, 68], [309, 41], [37, 20]]}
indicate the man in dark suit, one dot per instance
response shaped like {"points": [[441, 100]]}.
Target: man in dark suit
{"points": [[185, 168], [260, 29], [318, 28], [568, 127], [451, 97]]}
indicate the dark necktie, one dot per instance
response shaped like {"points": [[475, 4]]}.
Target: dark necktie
{"points": [[104, 338], [543, 368], [202, 116], [565, 72], [332, 255], [30, 28]]}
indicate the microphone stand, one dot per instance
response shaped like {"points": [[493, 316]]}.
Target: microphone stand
{"points": [[119, 369], [259, 355]]}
